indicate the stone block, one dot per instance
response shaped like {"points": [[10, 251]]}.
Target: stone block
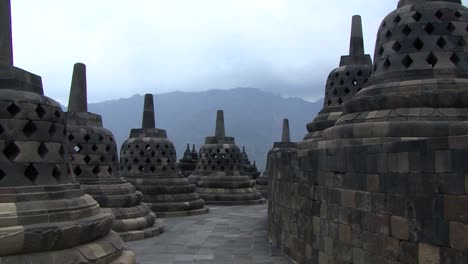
{"points": [[428, 254], [373, 182], [443, 161], [403, 162], [348, 198], [323, 258], [399, 227], [456, 207], [459, 236], [408, 252], [344, 233]]}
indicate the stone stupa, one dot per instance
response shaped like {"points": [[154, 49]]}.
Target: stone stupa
{"points": [[187, 164], [262, 182], [148, 160], [45, 217], [219, 175], [95, 166], [343, 82], [249, 168]]}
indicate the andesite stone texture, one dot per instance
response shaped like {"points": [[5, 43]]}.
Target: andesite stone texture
{"points": [[249, 168], [219, 174], [262, 182], [148, 160], [387, 183], [343, 83], [189, 161], [94, 165], [44, 215]]}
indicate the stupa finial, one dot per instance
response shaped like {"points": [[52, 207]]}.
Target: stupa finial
{"points": [[6, 43], [220, 131], [78, 101], [356, 47], [285, 137], [148, 112]]}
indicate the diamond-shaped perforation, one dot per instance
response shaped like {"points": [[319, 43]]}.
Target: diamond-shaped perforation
{"points": [[96, 170], [387, 64], [52, 130], [78, 148], [340, 101], [1, 129], [451, 27], [13, 109], [416, 16], [341, 82], [439, 14], [40, 111], [335, 91], [94, 148], [78, 171], [418, 44], [56, 173], [432, 60], [87, 159], [407, 61], [57, 113], [441, 42], [110, 170], [346, 90], [406, 30], [455, 59], [62, 151], [101, 138], [31, 173], [457, 14], [396, 47], [11, 151], [29, 129], [71, 137], [381, 51], [429, 28], [388, 34], [42, 150], [397, 19], [87, 137], [461, 42], [102, 158]]}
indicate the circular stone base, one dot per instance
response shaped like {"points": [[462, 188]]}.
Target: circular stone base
{"points": [[204, 210], [228, 203], [126, 258], [133, 235]]}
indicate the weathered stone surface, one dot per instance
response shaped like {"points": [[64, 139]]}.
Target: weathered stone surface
{"points": [[95, 166], [219, 175], [392, 169], [189, 161], [148, 160], [44, 215]]}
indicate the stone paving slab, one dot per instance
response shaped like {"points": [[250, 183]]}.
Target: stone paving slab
{"points": [[236, 234]]}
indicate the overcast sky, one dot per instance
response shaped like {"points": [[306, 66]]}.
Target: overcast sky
{"points": [[139, 46]]}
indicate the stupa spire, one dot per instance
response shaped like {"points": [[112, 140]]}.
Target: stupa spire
{"points": [[148, 112], [285, 137], [356, 46], [6, 43], [220, 131], [78, 101]]}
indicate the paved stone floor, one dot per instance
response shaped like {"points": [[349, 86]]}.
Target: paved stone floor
{"points": [[225, 235]]}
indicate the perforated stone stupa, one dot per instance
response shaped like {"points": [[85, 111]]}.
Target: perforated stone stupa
{"points": [[44, 215], [343, 82], [189, 161], [219, 175], [249, 168], [262, 182], [148, 160], [95, 166], [388, 182]]}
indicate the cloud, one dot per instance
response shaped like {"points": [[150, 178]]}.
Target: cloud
{"points": [[284, 46]]}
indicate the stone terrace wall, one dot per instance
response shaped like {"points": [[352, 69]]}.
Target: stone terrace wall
{"points": [[403, 202]]}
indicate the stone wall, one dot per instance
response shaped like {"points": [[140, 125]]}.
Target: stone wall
{"points": [[401, 202]]}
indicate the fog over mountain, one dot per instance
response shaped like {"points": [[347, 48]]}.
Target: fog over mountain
{"points": [[252, 116]]}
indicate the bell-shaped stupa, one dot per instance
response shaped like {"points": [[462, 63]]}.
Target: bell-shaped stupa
{"points": [[148, 160], [219, 175], [262, 182], [44, 215], [187, 164], [249, 168], [418, 87], [95, 166], [343, 82]]}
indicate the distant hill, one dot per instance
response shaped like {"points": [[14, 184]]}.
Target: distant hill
{"points": [[252, 116]]}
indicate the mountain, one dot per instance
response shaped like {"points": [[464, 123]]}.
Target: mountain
{"points": [[254, 117]]}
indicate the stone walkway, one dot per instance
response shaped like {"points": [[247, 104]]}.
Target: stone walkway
{"points": [[225, 235]]}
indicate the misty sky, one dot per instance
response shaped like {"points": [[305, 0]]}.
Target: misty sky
{"points": [[138, 46]]}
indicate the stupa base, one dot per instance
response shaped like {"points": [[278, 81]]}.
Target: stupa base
{"points": [[109, 249], [201, 211], [134, 235], [233, 203]]}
